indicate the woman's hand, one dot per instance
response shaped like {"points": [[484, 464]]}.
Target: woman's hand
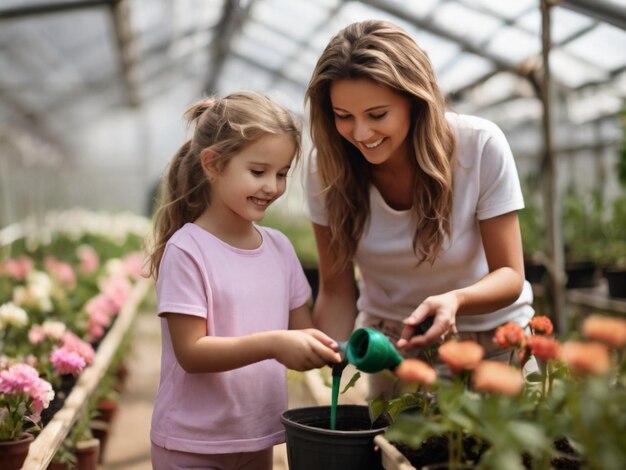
{"points": [[443, 308], [305, 349]]}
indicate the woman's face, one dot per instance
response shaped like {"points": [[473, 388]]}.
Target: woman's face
{"points": [[372, 117]]}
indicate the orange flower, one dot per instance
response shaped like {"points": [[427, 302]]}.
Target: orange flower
{"points": [[543, 348], [509, 335], [585, 358], [522, 356], [414, 370], [460, 355], [497, 377], [608, 330], [541, 325]]}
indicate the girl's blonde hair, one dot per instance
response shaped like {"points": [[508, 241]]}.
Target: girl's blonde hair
{"points": [[382, 52], [225, 126]]}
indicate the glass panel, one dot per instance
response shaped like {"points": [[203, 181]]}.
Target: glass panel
{"points": [[471, 25], [604, 46]]}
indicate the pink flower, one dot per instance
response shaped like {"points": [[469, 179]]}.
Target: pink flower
{"points": [[101, 306], [94, 331], [17, 268], [100, 309], [36, 335], [23, 380], [133, 264], [61, 271], [18, 378], [73, 343], [497, 377], [461, 355], [415, 370], [66, 361], [50, 329], [117, 288], [509, 335], [541, 325], [89, 259]]}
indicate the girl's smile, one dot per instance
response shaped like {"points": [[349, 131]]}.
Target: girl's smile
{"points": [[262, 203], [252, 180]]}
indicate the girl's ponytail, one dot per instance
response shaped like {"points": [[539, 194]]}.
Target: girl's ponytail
{"points": [[184, 196]]}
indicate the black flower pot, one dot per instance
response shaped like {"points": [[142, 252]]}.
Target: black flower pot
{"points": [[581, 274], [616, 279], [535, 271], [312, 445]]}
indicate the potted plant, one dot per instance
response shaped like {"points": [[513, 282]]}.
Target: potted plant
{"points": [[615, 254], [85, 446], [313, 445], [335, 436], [64, 458], [23, 396], [583, 236], [569, 414], [105, 403]]}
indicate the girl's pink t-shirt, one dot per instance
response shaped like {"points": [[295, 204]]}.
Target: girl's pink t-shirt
{"points": [[238, 292]]}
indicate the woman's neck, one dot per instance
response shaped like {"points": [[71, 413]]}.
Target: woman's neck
{"points": [[395, 184]]}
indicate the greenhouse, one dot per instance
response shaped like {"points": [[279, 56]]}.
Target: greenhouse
{"points": [[315, 234]]}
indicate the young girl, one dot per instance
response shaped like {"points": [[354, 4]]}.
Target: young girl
{"points": [[423, 200], [227, 290]]}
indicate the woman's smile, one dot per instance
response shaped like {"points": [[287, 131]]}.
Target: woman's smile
{"points": [[374, 144]]}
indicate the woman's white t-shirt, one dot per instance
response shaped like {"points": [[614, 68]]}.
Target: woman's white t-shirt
{"points": [[486, 185]]}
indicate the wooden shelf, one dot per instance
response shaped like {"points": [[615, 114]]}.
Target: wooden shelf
{"points": [[44, 447], [589, 298], [598, 298]]}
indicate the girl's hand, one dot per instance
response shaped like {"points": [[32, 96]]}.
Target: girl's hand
{"points": [[443, 308], [305, 349]]}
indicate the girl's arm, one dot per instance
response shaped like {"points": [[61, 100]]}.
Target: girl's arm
{"points": [[501, 287], [335, 307], [300, 318], [198, 353]]}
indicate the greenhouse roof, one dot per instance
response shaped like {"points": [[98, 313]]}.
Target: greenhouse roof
{"points": [[66, 64], [65, 61]]}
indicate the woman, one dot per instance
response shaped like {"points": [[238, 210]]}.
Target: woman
{"points": [[423, 201]]}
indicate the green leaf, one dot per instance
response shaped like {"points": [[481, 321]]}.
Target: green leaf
{"points": [[352, 382], [377, 407], [501, 458], [529, 436]]}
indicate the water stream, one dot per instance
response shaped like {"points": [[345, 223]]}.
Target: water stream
{"points": [[337, 371], [333, 403]]}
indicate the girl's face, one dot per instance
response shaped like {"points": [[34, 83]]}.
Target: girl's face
{"points": [[372, 117], [253, 178]]}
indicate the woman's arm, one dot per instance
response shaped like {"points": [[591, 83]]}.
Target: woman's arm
{"points": [[198, 353], [501, 287], [334, 311]]}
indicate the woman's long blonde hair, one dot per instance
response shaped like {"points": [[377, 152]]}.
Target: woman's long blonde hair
{"points": [[382, 52], [225, 126]]}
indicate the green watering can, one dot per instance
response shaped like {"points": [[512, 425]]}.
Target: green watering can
{"points": [[371, 351]]}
